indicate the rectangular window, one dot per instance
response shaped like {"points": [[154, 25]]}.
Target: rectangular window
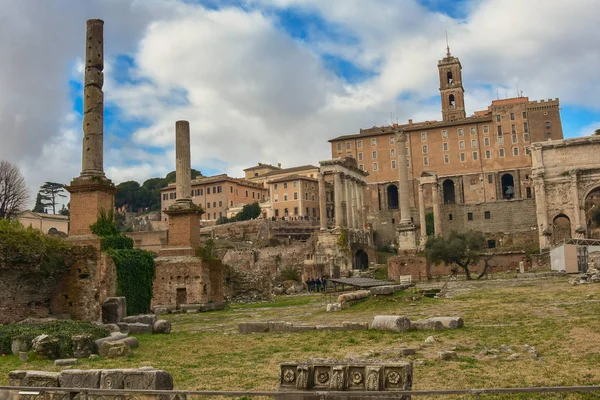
{"points": [[445, 146], [219, 189], [208, 205], [246, 193], [424, 136], [339, 147], [473, 131], [359, 144], [360, 156], [393, 164], [392, 152], [165, 196], [392, 140], [252, 194], [230, 189], [207, 190], [499, 130], [374, 142], [446, 158], [513, 128], [488, 154], [285, 197], [374, 166], [295, 195], [487, 215], [470, 216], [515, 139], [214, 204], [361, 167], [462, 157], [474, 143], [460, 131], [295, 210], [501, 153], [461, 144], [347, 145], [277, 212], [374, 155], [475, 156], [486, 141], [285, 185], [231, 203], [524, 114], [490, 179], [449, 217], [220, 204], [528, 191], [295, 184], [306, 185], [526, 137], [525, 127], [275, 186], [306, 196], [515, 151], [425, 160], [424, 149], [498, 118], [500, 139], [486, 129], [276, 198], [444, 134], [512, 116]]}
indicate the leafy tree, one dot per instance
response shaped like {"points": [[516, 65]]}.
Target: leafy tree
{"points": [[462, 249], [429, 224], [249, 211], [597, 132], [65, 210], [223, 220], [50, 192], [13, 190], [171, 176], [39, 204]]}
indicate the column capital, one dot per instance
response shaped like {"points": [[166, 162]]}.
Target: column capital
{"points": [[400, 137]]}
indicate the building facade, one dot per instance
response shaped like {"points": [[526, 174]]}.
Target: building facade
{"points": [[475, 171], [216, 195]]}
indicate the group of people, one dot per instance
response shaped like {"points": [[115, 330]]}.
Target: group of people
{"points": [[316, 284]]}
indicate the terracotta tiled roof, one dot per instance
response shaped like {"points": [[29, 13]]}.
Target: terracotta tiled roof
{"points": [[293, 177], [288, 170]]}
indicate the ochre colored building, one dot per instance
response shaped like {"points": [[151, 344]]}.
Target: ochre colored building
{"points": [[480, 165]]}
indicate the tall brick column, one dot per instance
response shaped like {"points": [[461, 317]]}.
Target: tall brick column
{"points": [[184, 215], [91, 192]]}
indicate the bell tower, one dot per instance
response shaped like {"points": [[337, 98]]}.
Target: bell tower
{"points": [[451, 89]]}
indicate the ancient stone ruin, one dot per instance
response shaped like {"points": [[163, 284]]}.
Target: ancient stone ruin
{"points": [[342, 375]]}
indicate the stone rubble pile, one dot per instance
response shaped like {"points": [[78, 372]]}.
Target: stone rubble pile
{"points": [[591, 276]]}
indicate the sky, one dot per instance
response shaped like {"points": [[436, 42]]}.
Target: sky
{"points": [[272, 80]]}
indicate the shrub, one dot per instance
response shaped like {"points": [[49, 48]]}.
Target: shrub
{"points": [[206, 252], [135, 275], [63, 330], [290, 273]]}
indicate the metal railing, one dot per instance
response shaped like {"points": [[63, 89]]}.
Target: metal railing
{"points": [[182, 394]]}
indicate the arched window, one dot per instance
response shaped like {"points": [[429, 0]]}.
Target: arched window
{"points": [[449, 77], [508, 187], [561, 228], [449, 194], [392, 196], [452, 101], [361, 260]]}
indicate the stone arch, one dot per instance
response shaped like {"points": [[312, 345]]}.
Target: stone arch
{"points": [[392, 197], [591, 207], [449, 77], [451, 101], [52, 231], [448, 188], [508, 186], [361, 260], [561, 228]]}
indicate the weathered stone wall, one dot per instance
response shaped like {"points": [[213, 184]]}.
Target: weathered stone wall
{"points": [[258, 229], [149, 241], [77, 291], [197, 281], [511, 223]]}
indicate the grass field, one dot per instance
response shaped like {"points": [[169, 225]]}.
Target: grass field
{"points": [[204, 351]]}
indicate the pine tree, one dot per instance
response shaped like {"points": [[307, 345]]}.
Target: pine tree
{"points": [[39, 204], [50, 192]]}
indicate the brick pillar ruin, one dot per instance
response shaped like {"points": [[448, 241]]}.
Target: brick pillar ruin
{"points": [[91, 192], [184, 215]]}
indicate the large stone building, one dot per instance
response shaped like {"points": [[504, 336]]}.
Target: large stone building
{"points": [[473, 173]]}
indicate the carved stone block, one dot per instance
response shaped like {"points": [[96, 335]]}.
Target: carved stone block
{"points": [[76, 378]]}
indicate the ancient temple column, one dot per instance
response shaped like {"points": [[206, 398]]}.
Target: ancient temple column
{"points": [[403, 192], [359, 205], [541, 209], [322, 202], [354, 194], [437, 220], [422, 219], [338, 196], [92, 163], [349, 216], [183, 167], [576, 203]]}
